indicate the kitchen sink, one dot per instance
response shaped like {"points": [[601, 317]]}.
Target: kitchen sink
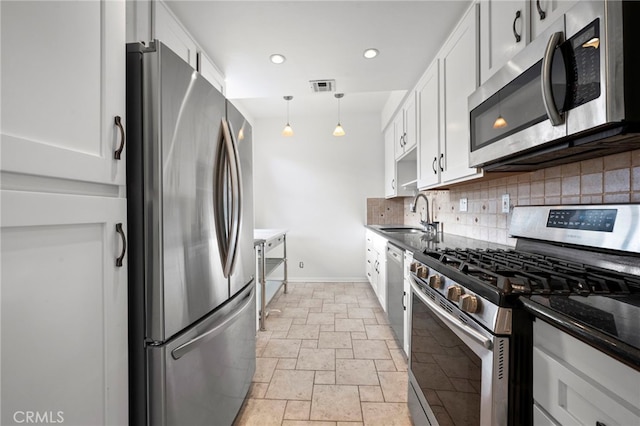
{"points": [[403, 230]]}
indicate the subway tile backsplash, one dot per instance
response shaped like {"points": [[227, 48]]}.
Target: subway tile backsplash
{"points": [[611, 179]]}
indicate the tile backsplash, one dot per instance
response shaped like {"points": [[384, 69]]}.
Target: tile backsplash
{"points": [[606, 180]]}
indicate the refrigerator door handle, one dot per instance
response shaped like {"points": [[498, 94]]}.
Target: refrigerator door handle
{"points": [[234, 173], [216, 329], [226, 185], [238, 200]]}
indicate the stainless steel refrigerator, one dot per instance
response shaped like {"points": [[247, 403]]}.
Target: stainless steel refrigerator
{"points": [[191, 260]]}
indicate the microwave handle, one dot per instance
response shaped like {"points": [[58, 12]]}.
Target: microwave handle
{"points": [[555, 116]]}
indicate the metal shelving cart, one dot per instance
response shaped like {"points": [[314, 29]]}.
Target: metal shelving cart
{"points": [[266, 240]]}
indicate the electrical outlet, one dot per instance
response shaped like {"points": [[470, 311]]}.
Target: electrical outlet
{"points": [[301, 265], [463, 204], [505, 203]]}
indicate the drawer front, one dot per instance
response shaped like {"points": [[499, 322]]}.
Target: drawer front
{"points": [[571, 396]]}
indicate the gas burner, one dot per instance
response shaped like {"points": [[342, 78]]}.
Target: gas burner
{"points": [[518, 272]]}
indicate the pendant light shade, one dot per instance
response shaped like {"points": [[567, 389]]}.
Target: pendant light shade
{"points": [[500, 122], [287, 131], [339, 131]]}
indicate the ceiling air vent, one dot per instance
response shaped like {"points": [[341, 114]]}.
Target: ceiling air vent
{"points": [[323, 85]]}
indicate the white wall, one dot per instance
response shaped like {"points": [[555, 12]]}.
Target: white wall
{"points": [[316, 185]]}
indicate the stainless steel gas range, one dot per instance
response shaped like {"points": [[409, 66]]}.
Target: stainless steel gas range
{"points": [[471, 335]]}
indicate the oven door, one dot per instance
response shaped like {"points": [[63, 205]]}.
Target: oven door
{"points": [[458, 372]]}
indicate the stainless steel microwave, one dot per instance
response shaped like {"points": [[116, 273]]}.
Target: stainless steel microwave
{"points": [[573, 93]]}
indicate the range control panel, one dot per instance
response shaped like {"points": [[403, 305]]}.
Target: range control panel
{"points": [[600, 220]]}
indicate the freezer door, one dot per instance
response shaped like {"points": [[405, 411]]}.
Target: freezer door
{"points": [[203, 376], [186, 279], [244, 265]]}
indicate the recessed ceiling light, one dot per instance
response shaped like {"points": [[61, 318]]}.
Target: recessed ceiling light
{"points": [[370, 53], [277, 58]]}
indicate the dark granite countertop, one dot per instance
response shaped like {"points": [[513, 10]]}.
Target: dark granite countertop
{"points": [[416, 243], [610, 324]]}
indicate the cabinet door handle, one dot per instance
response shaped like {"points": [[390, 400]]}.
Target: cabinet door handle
{"points": [[541, 12], [440, 162], [433, 165], [404, 293], [393, 183], [118, 122], [515, 33], [124, 244]]}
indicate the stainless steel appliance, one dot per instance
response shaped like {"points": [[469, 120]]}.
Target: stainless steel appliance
{"points": [[570, 95], [191, 274], [471, 347], [395, 291]]}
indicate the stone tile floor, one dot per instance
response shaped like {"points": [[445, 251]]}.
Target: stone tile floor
{"points": [[328, 357]]}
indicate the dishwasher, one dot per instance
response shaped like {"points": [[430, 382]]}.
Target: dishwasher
{"points": [[395, 291]]}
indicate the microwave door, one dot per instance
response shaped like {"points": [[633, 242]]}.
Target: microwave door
{"points": [[514, 94]]}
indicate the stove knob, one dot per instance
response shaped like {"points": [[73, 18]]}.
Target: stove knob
{"points": [[414, 266], [469, 303], [435, 281], [422, 271], [454, 292]]}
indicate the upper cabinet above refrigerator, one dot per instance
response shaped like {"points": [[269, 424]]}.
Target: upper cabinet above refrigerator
{"points": [[63, 99]]}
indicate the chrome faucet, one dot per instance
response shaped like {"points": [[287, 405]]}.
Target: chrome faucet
{"points": [[427, 224]]}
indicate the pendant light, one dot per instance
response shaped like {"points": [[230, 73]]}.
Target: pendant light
{"points": [[287, 131], [338, 131], [500, 122]]}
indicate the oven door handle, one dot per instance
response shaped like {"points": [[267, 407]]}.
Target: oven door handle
{"points": [[452, 321]]}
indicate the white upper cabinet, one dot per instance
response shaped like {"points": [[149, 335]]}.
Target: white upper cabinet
{"points": [[210, 72], [545, 12], [389, 162], [169, 31], [405, 127], [63, 90], [459, 74], [428, 100], [504, 31]]}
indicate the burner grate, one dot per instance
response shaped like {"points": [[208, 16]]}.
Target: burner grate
{"points": [[513, 271]]}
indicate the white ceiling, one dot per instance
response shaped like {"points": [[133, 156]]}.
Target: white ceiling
{"points": [[321, 40]]}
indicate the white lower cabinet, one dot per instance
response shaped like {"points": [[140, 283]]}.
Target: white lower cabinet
{"points": [[64, 308], [574, 383], [408, 259], [376, 264]]}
